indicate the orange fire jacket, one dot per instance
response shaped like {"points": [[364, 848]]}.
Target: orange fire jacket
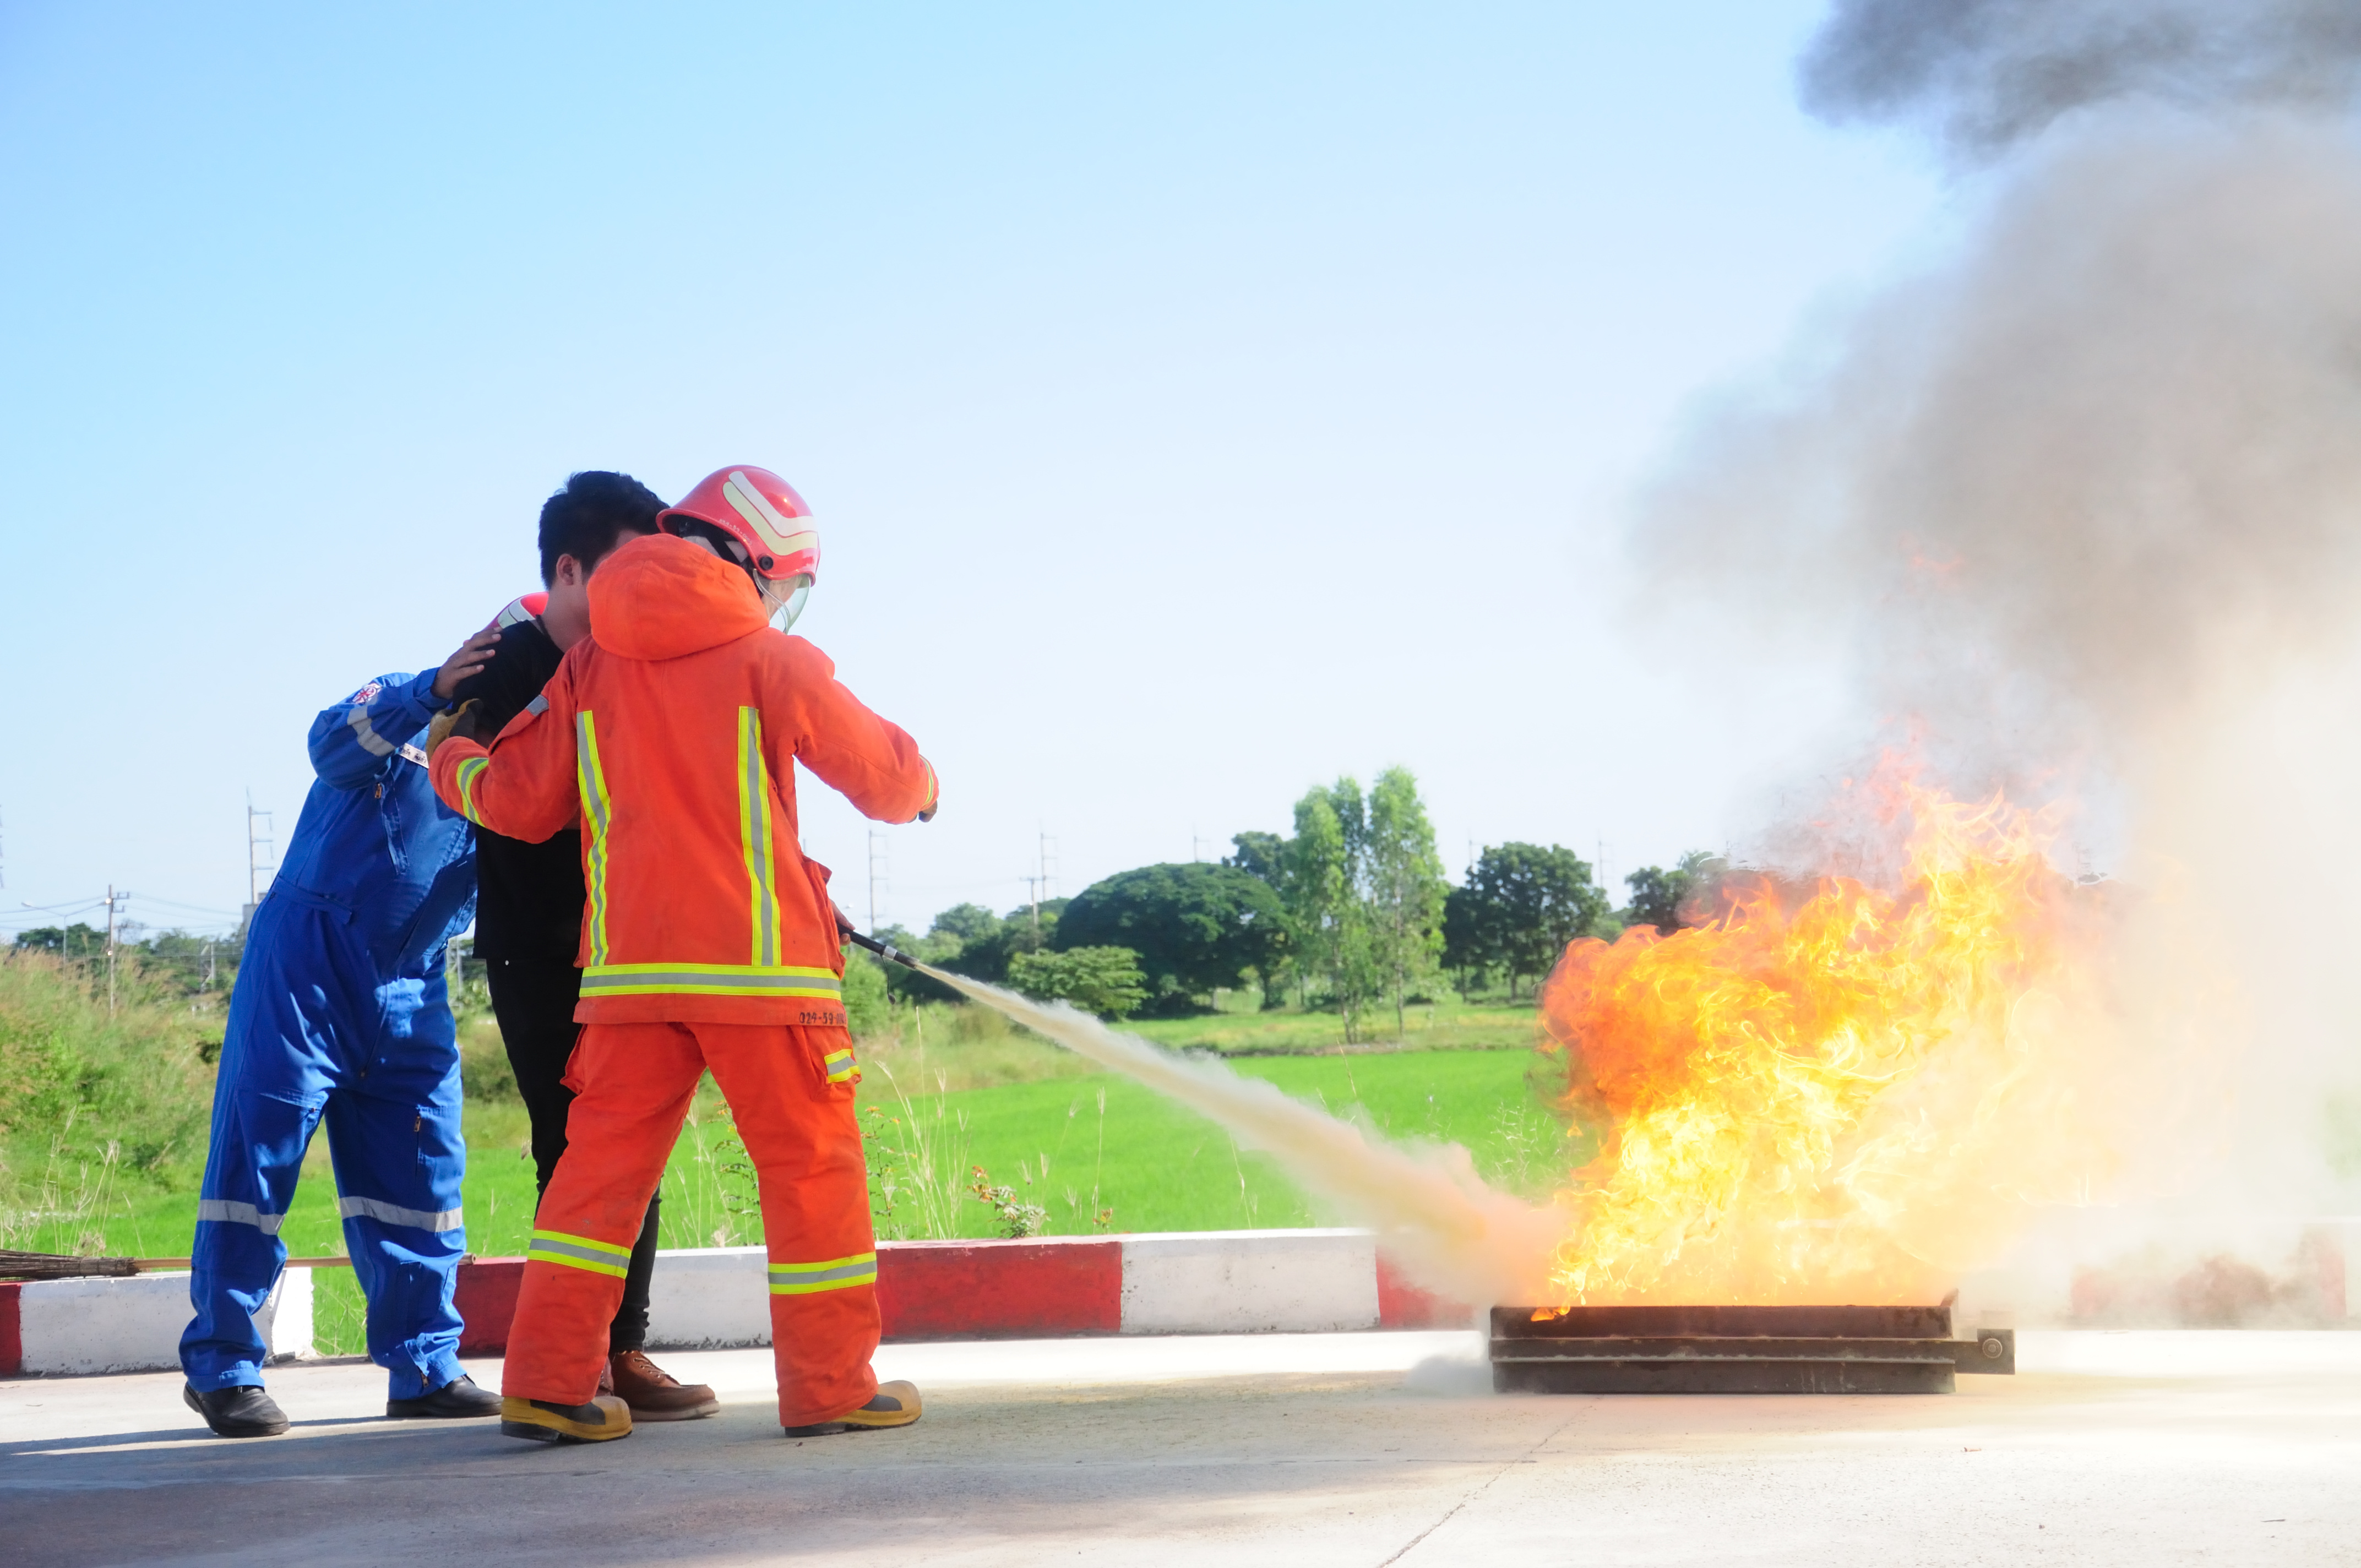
{"points": [[672, 732]]}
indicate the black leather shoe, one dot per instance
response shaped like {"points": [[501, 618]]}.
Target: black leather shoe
{"points": [[241, 1410], [457, 1400]]}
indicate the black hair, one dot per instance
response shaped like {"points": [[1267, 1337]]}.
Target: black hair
{"points": [[583, 519]]}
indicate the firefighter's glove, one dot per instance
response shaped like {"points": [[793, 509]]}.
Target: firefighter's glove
{"points": [[459, 722], [932, 807]]}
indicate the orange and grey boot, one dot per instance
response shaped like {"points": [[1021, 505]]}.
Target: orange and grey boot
{"points": [[603, 1419], [894, 1404], [653, 1393]]}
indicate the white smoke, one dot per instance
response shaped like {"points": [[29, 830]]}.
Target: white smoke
{"points": [[1983, 75], [2083, 508]]}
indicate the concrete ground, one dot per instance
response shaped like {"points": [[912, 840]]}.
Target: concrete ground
{"points": [[1365, 1449]]}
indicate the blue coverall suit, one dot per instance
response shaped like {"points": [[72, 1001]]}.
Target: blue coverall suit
{"points": [[340, 1008]]}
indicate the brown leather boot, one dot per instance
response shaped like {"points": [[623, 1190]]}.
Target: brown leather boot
{"points": [[655, 1395]]}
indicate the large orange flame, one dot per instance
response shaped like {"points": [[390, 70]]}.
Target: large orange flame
{"points": [[1790, 1095]]}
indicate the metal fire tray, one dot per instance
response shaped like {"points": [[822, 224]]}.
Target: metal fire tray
{"points": [[1738, 1350]]}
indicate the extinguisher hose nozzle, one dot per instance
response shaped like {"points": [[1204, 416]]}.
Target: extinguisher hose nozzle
{"points": [[890, 954]]}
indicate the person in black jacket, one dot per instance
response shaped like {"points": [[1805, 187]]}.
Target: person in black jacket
{"points": [[530, 896]]}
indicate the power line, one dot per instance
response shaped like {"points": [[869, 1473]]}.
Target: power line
{"points": [[77, 907], [192, 908]]}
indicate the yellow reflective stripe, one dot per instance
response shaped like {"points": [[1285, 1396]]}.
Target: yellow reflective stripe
{"points": [[598, 811], [469, 772], [710, 980], [754, 836], [832, 1274], [580, 1252], [838, 1065], [814, 974]]}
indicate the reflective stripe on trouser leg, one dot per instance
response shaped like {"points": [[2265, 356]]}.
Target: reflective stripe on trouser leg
{"points": [[800, 1131], [830, 1274], [636, 1080], [256, 1150], [400, 1162], [580, 1252]]}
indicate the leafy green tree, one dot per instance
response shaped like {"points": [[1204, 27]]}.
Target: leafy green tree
{"points": [[966, 923], [75, 941], [1196, 927], [1326, 918], [988, 953], [1405, 884], [1104, 981], [198, 965], [969, 939], [1659, 896], [1263, 855], [1521, 905], [1470, 941]]}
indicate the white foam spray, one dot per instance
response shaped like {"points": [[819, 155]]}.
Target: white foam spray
{"points": [[1434, 1216]]}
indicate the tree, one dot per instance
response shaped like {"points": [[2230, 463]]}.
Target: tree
{"points": [[1263, 855], [1405, 887], [988, 954], [1104, 981], [969, 939], [1196, 927], [75, 941], [1520, 907], [968, 923], [1659, 896], [1326, 918]]}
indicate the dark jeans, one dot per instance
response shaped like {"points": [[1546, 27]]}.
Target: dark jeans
{"points": [[533, 1000]]}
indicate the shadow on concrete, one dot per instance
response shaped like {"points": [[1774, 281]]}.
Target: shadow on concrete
{"points": [[1132, 1463]]}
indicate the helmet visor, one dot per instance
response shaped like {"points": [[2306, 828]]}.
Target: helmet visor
{"points": [[785, 600]]}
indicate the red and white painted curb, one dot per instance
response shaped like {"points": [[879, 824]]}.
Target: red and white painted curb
{"points": [[1190, 1282]]}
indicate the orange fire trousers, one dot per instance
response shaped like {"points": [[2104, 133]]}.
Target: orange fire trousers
{"points": [[790, 1090]]}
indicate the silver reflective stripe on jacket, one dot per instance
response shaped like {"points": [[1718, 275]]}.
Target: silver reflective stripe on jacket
{"points": [[223, 1211], [418, 1219], [371, 741]]}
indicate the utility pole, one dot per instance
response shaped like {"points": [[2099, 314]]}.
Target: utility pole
{"points": [[879, 868], [115, 902], [258, 854]]}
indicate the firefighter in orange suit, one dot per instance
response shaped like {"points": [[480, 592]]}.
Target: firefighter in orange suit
{"points": [[708, 941]]}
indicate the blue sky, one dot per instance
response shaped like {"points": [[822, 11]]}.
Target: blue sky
{"points": [[1198, 403]]}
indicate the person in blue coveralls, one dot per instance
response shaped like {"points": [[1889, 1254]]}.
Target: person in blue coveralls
{"points": [[340, 1012]]}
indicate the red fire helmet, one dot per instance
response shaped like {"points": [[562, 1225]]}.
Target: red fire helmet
{"points": [[527, 608], [760, 510]]}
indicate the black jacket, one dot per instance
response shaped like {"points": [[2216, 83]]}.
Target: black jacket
{"points": [[529, 897]]}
